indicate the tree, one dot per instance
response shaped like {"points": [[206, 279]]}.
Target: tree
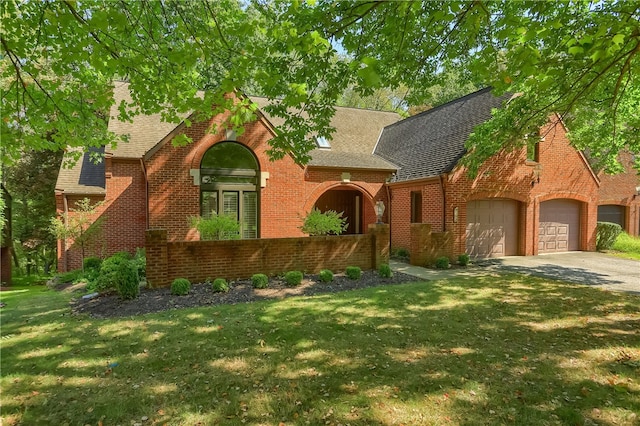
{"points": [[31, 181], [79, 226], [576, 58]]}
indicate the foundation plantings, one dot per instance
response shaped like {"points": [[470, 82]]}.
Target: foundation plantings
{"points": [[180, 286]]}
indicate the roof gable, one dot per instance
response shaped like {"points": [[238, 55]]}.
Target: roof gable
{"points": [[432, 142]]}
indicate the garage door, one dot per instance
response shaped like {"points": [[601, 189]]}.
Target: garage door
{"points": [[612, 213], [492, 228], [559, 226]]}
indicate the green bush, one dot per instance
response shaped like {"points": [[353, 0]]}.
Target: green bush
{"points": [[260, 281], [400, 253], [92, 263], [442, 262], [606, 235], [318, 223], [220, 285], [353, 272], [293, 278], [108, 277], [140, 260], [216, 227], [127, 281], [464, 259], [180, 286], [326, 276], [384, 271]]}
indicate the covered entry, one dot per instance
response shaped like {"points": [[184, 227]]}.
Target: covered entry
{"points": [[559, 226], [347, 201], [492, 228]]}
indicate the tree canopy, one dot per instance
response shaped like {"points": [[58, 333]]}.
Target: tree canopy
{"points": [[58, 58]]}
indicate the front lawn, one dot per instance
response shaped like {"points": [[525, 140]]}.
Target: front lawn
{"points": [[502, 349]]}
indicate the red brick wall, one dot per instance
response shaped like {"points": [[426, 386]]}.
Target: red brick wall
{"points": [[620, 189], [199, 260], [289, 194], [432, 211], [565, 174], [123, 214]]}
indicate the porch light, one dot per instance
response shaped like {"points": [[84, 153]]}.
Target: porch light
{"points": [[535, 176], [379, 210]]}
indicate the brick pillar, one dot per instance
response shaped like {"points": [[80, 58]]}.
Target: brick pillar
{"points": [[381, 239], [157, 259], [420, 242]]}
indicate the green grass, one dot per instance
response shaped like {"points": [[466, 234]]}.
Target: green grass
{"points": [[627, 246], [503, 349]]}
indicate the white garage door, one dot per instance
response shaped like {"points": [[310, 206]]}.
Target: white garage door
{"points": [[559, 226], [492, 228]]}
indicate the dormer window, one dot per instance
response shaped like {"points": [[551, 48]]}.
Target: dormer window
{"points": [[323, 143]]}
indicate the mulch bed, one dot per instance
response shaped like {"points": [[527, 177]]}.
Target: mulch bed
{"points": [[241, 291]]}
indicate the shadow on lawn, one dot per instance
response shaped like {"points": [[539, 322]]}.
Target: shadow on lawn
{"points": [[472, 351]]}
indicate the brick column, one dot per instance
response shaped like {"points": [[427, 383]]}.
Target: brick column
{"points": [[157, 260], [381, 239], [420, 242]]}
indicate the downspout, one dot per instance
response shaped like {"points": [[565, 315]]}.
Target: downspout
{"points": [[146, 191], [386, 186], [65, 203], [444, 203]]}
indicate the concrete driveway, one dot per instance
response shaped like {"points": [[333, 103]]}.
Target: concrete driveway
{"points": [[596, 269]]}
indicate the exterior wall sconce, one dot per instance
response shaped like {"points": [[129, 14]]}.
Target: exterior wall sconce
{"points": [[535, 176], [346, 177], [379, 207]]}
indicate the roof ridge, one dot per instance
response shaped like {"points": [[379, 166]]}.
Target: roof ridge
{"points": [[446, 104], [336, 106]]}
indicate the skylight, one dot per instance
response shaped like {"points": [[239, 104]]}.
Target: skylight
{"points": [[323, 142]]}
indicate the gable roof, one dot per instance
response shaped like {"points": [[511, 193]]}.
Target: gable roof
{"points": [[84, 177], [432, 142], [357, 131], [352, 144]]}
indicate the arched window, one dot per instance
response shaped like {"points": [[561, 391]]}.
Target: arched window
{"points": [[229, 185]]}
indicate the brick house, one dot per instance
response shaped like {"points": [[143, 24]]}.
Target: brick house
{"points": [[147, 183], [524, 202], [619, 197]]}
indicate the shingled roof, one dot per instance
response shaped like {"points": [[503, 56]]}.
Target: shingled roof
{"points": [[357, 131], [432, 142]]}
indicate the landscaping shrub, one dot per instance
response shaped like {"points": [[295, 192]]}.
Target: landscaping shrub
{"points": [[400, 253], [260, 281], [318, 223], [108, 276], [293, 278], [70, 276], [442, 262], [326, 276], [606, 235], [464, 259], [92, 263], [216, 227], [180, 286], [127, 282], [384, 271], [220, 285], [140, 260], [353, 272]]}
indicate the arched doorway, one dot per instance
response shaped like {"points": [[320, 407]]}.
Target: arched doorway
{"points": [[349, 201], [229, 185]]}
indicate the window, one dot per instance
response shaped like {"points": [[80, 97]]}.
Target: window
{"points": [[533, 147], [323, 142], [416, 207], [228, 185]]}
